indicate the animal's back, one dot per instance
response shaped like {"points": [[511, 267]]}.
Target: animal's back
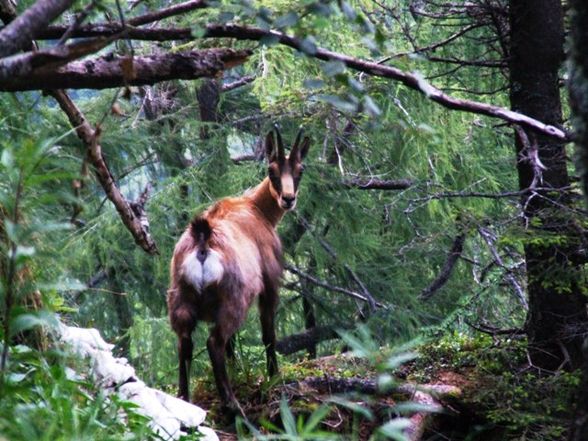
{"points": [[253, 240], [248, 250]]}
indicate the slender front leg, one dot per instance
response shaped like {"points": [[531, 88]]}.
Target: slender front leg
{"points": [[185, 355], [268, 303], [231, 344]]}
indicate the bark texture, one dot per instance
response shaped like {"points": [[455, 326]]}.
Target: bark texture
{"points": [[90, 137], [557, 314], [112, 71], [578, 88], [19, 33]]}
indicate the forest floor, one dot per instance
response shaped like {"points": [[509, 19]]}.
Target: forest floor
{"points": [[489, 394]]}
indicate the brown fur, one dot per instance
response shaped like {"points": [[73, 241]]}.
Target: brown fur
{"points": [[242, 233]]}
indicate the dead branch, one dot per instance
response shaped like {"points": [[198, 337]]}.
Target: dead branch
{"points": [[102, 29], [180, 8], [109, 29], [487, 236], [19, 33], [105, 72], [90, 137], [37, 62], [329, 249], [415, 82], [330, 287], [492, 330], [378, 184], [7, 11], [447, 270], [298, 342], [238, 83]]}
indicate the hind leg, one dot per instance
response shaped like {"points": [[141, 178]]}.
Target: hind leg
{"points": [[217, 346], [268, 303], [183, 323]]}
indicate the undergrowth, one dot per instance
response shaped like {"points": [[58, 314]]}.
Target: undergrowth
{"points": [[509, 398]]}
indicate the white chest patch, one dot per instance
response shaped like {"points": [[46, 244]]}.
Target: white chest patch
{"points": [[202, 275]]}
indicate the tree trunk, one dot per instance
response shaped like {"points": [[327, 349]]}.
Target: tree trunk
{"points": [[556, 305], [217, 157], [124, 313], [578, 88]]}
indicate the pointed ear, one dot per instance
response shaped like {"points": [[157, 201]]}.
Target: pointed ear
{"points": [[303, 147], [270, 147]]}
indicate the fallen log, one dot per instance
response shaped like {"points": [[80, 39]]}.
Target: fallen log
{"points": [[297, 342], [427, 396], [169, 415]]}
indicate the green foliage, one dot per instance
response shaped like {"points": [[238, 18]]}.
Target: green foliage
{"points": [[395, 242], [47, 400], [508, 398], [42, 396]]}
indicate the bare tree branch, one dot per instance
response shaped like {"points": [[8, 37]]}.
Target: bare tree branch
{"points": [[378, 184], [413, 81], [238, 83], [105, 72], [487, 236], [329, 249], [180, 8], [448, 266], [90, 138], [38, 61], [330, 287], [106, 29], [19, 33], [7, 11]]}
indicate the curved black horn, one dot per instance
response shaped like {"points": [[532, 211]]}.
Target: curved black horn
{"points": [[296, 145], [281, 154]]}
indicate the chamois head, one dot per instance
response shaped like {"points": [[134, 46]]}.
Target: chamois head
{"points": [[284, 171]]}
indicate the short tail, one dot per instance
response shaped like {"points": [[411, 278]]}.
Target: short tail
{"points": [[200, 229]]}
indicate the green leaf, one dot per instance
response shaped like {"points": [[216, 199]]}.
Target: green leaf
{"points": [[348, 11], [410, 407], [225, 16], [332, 68], [354, 407], [313, 83], [339, 103], [24, 322], [315, 419], [395, 429], [370, 106], [269, 40], [23, 253], [287, 418], [287, 20], [399, 359], [11, 230], [7, 158], [308, 46]]}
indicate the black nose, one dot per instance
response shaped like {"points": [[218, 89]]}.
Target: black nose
{"points": [[201, 255], [288, 200]]}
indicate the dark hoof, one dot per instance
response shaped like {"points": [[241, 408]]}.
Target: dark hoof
{"points": [[232, 410]]}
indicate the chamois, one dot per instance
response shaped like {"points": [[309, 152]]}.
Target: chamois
{"points": [[226, 257]]}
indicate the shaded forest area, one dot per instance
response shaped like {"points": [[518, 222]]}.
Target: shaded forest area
{"points": [[434, 282]]}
